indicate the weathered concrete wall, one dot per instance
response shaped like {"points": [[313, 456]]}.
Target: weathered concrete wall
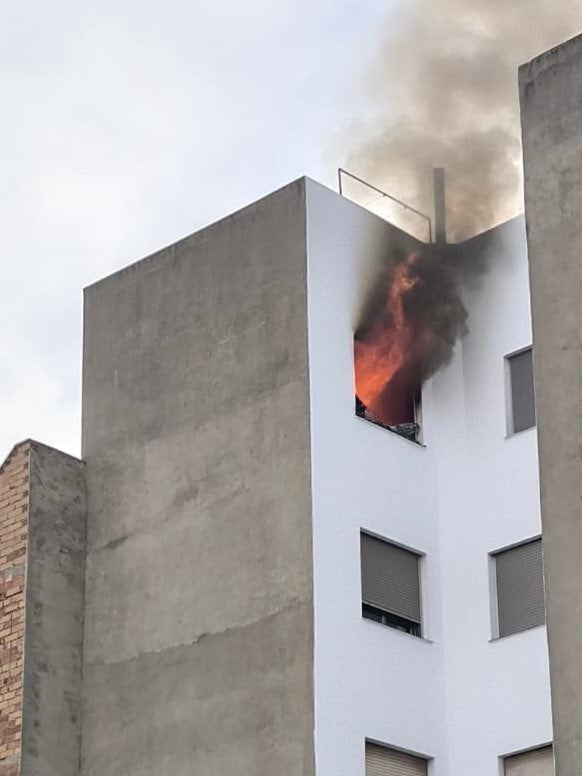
{"points": [[551, 99], [55, 574], [199, 612]]}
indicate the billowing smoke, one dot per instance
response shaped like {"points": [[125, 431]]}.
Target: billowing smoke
{"points": [[446, 79], [447, 82]]}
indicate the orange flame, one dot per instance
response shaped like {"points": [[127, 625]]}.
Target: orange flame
{"points": [[388, 354]]}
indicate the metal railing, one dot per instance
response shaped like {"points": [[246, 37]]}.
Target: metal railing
{"points": [[399, 202]]}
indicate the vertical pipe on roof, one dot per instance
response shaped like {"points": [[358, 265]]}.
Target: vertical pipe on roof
{"points": [[440, 208]]}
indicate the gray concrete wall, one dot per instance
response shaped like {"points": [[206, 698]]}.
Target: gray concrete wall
{"points": [[199, 607], [55, 573], [551, 104]]}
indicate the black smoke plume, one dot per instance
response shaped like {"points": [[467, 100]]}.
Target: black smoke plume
{"points": [[446, 78]]}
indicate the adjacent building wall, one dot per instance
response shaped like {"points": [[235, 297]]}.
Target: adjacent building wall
{"points": [[42, 547], [13, 538], [551, 105], [199, 611], [55, 577]]}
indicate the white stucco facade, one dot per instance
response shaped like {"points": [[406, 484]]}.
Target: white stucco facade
{"points": [[459, 695]]}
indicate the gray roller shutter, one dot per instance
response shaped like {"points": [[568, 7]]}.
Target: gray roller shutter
{"points": [[520, 588], [537, 763], [523, 406], [390, 579], [381, 761]]}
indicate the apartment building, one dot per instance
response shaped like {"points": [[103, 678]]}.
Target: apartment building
{"points": [[271, 578]]}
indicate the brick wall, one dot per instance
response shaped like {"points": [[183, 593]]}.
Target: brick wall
{"points": [[13, 541]]}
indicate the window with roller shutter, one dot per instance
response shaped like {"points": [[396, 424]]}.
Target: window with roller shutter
{"points": [[539, 762], [390, 584], [382, 761], [519, 579], [522, 406]]}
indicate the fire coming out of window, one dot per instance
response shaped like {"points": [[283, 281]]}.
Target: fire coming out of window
{"points": [[408, 331]]}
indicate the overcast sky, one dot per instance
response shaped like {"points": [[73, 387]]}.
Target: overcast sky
{"points": [[127, 125]]}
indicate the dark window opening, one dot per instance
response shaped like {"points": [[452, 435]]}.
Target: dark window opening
{"points": [[387, 385], [402, 417], [392, 620], [522, 407]]}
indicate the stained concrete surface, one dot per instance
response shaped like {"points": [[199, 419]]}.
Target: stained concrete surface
{"points": [[199, 604], [55, 573], [551, 106]]}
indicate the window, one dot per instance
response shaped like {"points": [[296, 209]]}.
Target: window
{"points": [[390, 584], [382, 761], [539, 762], [522, 410], [519, 580], [400, 413]]}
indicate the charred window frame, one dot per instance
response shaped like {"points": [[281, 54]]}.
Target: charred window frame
{"points": [[521, 408], [410, 428], [391, 584]]}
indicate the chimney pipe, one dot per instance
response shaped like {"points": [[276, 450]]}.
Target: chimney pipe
{"points": [[440, 208]]}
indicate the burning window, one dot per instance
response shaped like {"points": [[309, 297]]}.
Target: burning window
{"points": [[410, 324], [386, 358], [403, 411]]}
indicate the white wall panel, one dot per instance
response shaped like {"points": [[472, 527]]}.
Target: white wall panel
{"points": [[455, 696]]}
